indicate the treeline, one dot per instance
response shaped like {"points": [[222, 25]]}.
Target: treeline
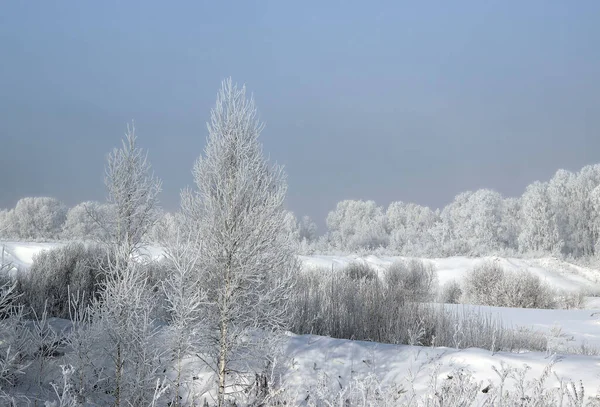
{"points": [[560, 217]]}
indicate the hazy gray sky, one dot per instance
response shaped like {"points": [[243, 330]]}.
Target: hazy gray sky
{"points": [[362, 100]]}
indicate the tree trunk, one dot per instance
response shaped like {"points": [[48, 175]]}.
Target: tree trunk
{"points": [[118, 374], [222, 362]]}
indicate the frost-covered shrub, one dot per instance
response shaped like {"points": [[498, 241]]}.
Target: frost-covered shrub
{"points": [[450, 293], [74, 268], [570, 300], [329, 302], [524, 289], [489, 284], [13, 337], [412, 280], [360, 270]]}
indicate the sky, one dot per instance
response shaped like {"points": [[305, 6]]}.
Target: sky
{"points": [[389, 101]]}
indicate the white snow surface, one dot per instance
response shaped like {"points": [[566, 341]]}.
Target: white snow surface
{"points": [[406, 366]]}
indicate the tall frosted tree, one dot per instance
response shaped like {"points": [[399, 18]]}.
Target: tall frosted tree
{"points": [[124, 315], [583, 233], [411, 228], [133, 194], [245, 253], [539, 231]]}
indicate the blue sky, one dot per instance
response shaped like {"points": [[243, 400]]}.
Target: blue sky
{"points": [[412, 101]]}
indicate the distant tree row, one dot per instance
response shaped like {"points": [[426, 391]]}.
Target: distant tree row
{"points": [[45, 218], [560, 217]]}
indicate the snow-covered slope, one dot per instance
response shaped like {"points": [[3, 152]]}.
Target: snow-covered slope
{"points": [[557, 273]]}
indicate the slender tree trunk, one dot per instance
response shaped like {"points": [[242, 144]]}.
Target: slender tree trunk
{"points": [[118, 375], [222, 362], [223, 343], [178, 385]]}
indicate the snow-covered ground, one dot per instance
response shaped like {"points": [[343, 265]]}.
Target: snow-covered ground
{"points": [[574, 335], [411, 367], [558, 273], [20, 254]]}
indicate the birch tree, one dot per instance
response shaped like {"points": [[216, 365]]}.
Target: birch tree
{"points": [[124, 313], [132, 192], [246, 256]]}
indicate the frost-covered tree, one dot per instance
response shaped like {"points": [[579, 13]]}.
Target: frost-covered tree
{"points": [[355, 225], [165, 229], [411, 228], [185, 300], [539, 231], [584, 235], [475, 221], [124, 315], [38, 218], [455, 218], [486, 220], [302, 232], [307, 229], [595, 220], [87, 221], [132, 192], [246, 254], [291, 226], [560, 194], [511, 225], [4, 225]]}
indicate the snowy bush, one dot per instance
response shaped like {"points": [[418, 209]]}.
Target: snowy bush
{"points": [[360, 270], [489, 284], [55, 273], [414, 280], [333, 304], [13, 338], [450, 293], [570, 300]]}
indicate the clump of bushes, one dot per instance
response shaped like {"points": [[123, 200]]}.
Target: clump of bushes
{"points": [[411, 280], [450, 293], [396, 310], [489, 284], [360, 270], [56, 273]]}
